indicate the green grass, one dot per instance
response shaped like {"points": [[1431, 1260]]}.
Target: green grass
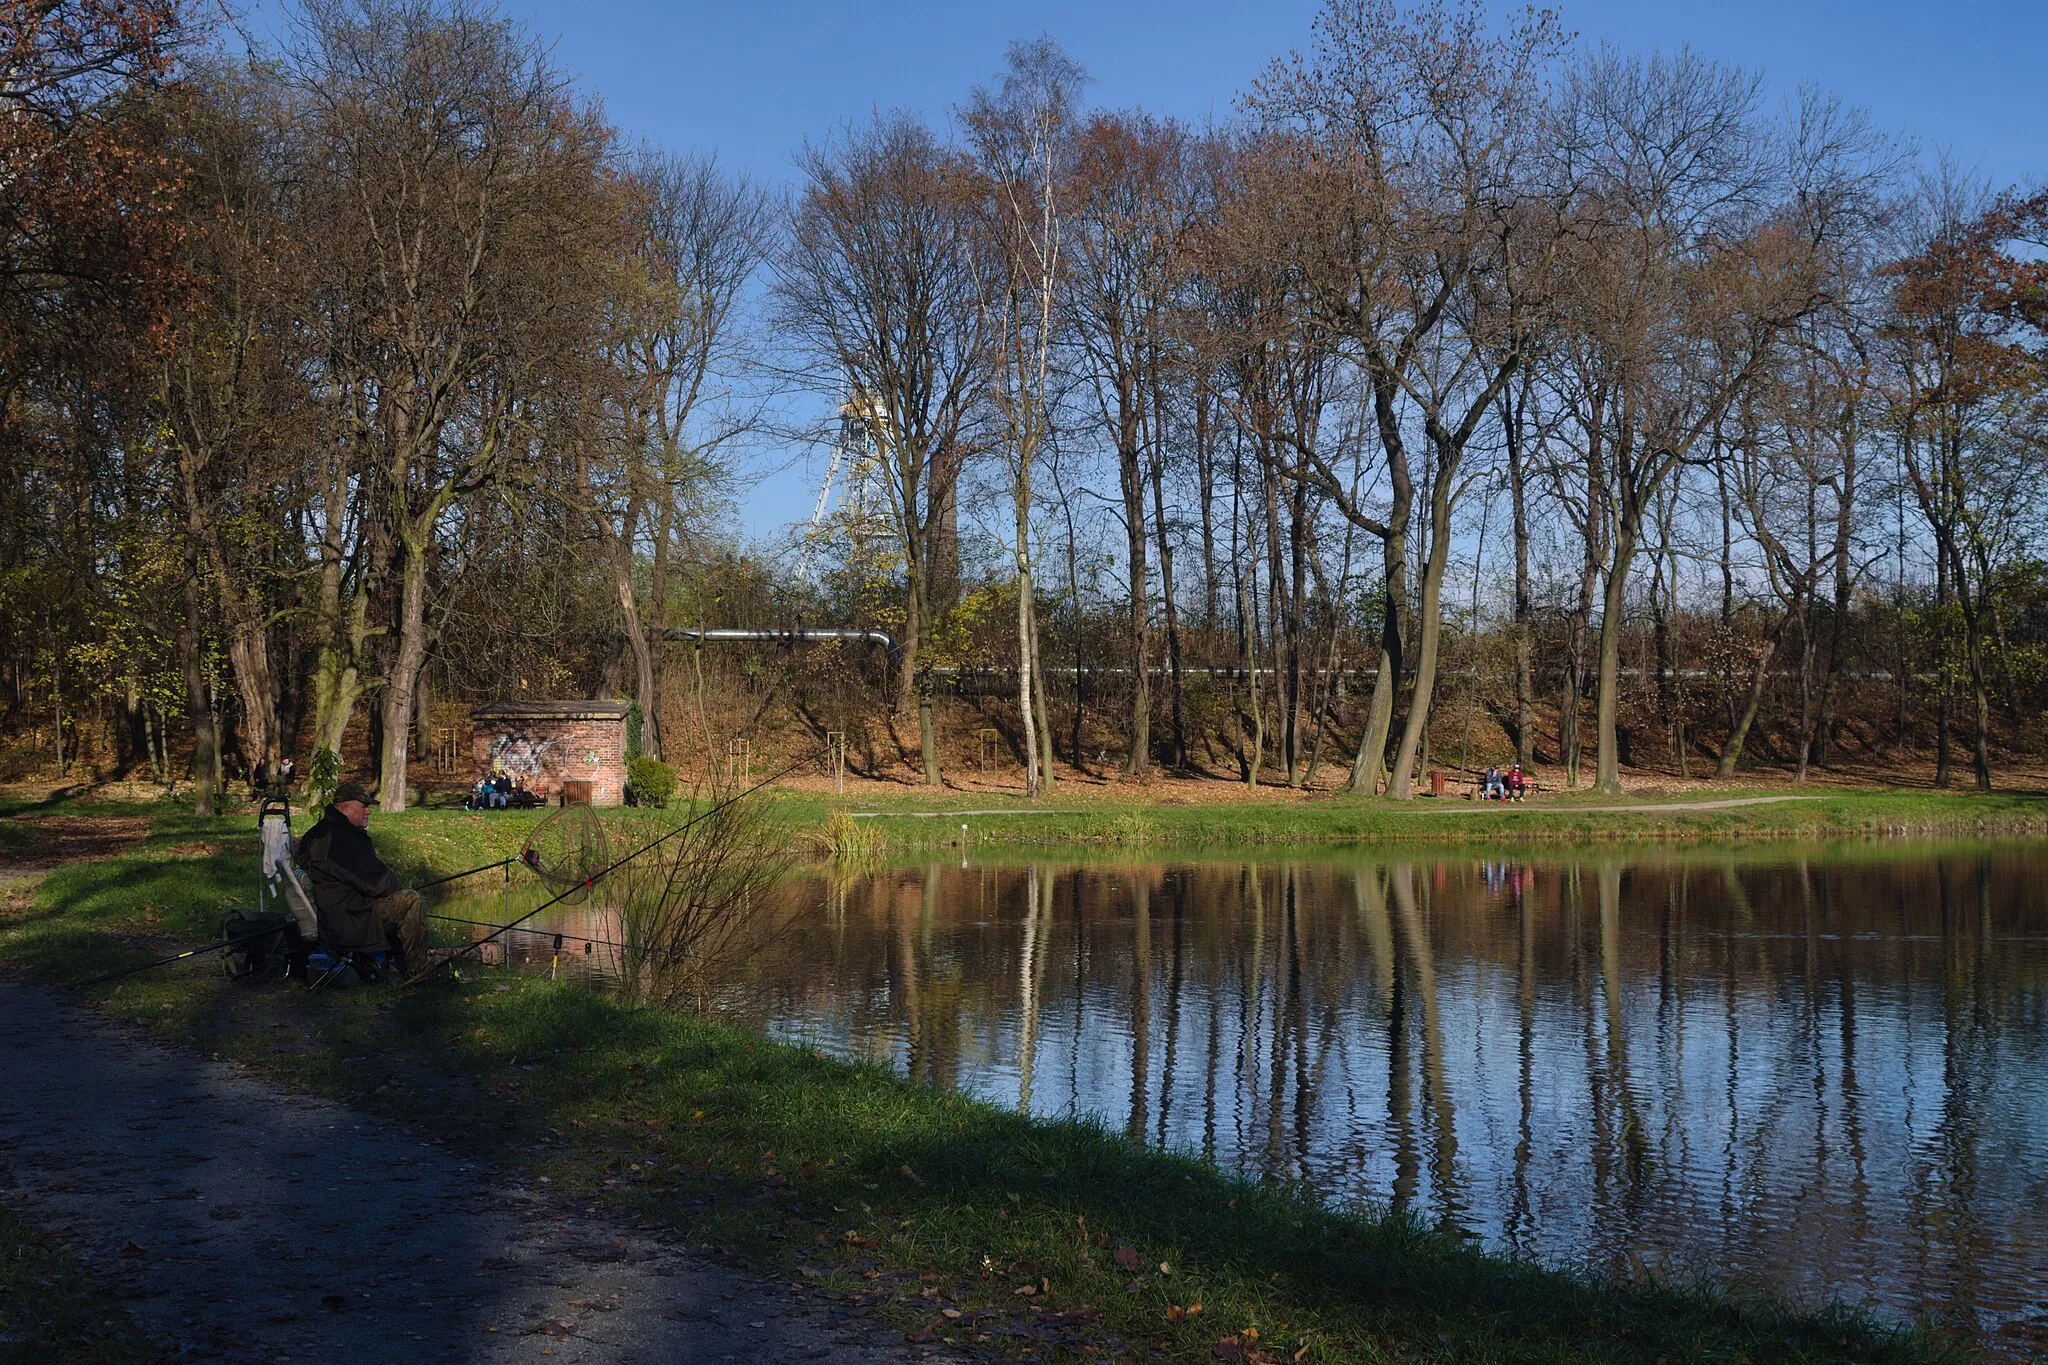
{"points": [[910, 1199], [912, 823], [50, 1309]]}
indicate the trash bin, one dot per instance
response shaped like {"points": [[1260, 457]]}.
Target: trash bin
{"points": [[1436, 782]]}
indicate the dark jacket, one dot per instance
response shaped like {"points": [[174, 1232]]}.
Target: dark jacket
{"points": [[347, 877]]}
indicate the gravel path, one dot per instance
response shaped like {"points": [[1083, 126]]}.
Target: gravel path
{"points": [[241, 1222]]}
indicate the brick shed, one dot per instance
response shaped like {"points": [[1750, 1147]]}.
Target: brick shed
{"points": [[547, 743]]}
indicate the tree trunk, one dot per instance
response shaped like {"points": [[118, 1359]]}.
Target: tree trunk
{"points": [[1027, 659], [1607, 757], [1525, 603], [1738, 732], [1138, 758], [406, 660], [1570, 746], [1944, 669], [1041, 706], [1370, 765], [1254, 713], [636, 640], [343, 627], [1172, 614], [198, 704], [423, 713], [1429, 627]]}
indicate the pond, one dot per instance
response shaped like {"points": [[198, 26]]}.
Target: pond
{"points": [[1824, 1074]]}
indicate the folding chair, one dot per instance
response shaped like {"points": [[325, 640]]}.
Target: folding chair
{"points": [[283, 885]]}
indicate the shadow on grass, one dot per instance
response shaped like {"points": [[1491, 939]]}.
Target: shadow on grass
{"points": [[74, 926], [946, 1182]]}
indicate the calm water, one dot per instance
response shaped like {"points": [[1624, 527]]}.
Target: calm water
{"points": [[1824, 1076]]}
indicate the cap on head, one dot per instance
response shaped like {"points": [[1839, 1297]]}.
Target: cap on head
{"points": [[351, 791]]}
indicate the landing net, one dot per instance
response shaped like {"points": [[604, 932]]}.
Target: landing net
{"points": [[567, 852]]}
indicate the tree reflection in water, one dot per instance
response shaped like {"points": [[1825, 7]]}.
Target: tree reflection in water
{"points": [[1814, 1073]]}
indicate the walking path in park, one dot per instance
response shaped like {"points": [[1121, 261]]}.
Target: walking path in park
{"points": [[241, 1222]]}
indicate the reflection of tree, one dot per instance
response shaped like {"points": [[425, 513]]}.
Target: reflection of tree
{"points": [[1634, 1143], [1038, 886], [1895, 1170], [1177, 890], [1141, 1004], [1521, 1218], [1950, 1208], [1435, 1087], [1368, 889]]}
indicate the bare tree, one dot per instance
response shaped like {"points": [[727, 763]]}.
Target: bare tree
{"points": [[1022, 134], [1131, 220], [1690, 272], [882, 284], [460, 235], [1420, 128], [697, 237]]}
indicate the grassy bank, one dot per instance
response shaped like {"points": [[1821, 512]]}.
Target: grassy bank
{"points": [[911, 822], [933, 1210], [50, 1309]]}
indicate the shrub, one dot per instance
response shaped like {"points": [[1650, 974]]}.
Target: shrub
{"points": [[322, 777], [636, 725], [649, 781]]}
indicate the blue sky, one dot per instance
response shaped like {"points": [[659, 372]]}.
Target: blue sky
{"points": [[751, 81]]}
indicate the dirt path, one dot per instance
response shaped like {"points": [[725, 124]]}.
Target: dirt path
{"points": [[241, 1222], [1726, 803]]}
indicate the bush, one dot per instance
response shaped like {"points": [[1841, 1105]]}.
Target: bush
{"points": [[322, 777], [649, 781]]}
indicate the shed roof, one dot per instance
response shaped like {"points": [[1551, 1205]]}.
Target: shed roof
{"points": [[571, 708]]}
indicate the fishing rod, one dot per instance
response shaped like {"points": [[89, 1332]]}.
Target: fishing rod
{"points": [[457, 876], [604, 872], [488, 924], [176, 957]]}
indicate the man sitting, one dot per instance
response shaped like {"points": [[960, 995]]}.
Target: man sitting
{"points": [[1496, 789], [1517, 783], [361, 903]]}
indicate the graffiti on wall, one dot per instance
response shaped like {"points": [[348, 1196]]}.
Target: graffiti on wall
{"points": [[520, 755]]}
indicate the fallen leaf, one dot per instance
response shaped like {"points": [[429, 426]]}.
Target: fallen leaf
{"points": [[950, 1312], [808, 1171], [1127, 1257], [910, 1175], [131, 1249], [1027, 1290], [1165, 1269]]}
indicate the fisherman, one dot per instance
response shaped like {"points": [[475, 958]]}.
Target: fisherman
{"points": [[360, 900]]}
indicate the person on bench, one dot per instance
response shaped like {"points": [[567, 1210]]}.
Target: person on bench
{"points": [[362, 906], [1496, 788], [1517, 783]]}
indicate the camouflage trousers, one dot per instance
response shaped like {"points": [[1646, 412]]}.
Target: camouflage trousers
{"points": [[404, 921]]}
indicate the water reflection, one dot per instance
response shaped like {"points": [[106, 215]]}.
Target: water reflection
{"points": [[1823, 1076]]}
